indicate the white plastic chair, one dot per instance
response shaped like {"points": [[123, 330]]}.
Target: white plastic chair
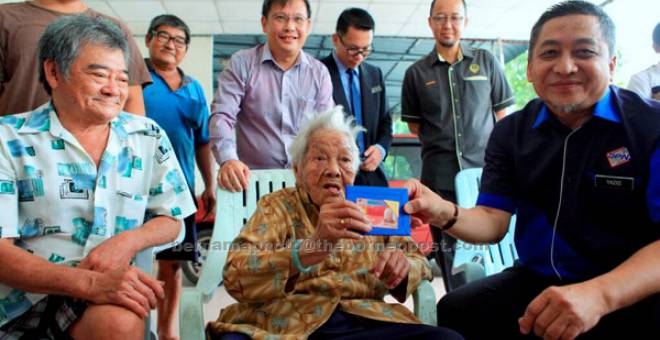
{"points": [[232, 211], [145, 261], [475, 261]]}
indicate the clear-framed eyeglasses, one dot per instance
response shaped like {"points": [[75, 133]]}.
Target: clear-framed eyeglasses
{"points": [[282, 19], [442, 19]]}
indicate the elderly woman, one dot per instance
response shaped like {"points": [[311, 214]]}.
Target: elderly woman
{"points": [[301, 267]]}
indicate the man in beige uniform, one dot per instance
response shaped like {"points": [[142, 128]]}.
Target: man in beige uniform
{"points": [[21, 25]]}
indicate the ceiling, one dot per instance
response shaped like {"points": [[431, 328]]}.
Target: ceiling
{"points": [[404, 18]]}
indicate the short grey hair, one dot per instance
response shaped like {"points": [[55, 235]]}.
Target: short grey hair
{"points": [[334, 119], [63, 38]]}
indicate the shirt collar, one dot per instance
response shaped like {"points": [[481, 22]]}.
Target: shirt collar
{"points": [[185, 80], [341, 68], [267, 55], [45, 118], [605, 109], [464, 51]]}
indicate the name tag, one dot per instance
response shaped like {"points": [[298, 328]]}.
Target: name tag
{"points": [[430, 83], [475, 78], [615, 182], [376, 89]]}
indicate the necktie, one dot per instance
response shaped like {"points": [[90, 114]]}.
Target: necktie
{"points": [[356, 105]]}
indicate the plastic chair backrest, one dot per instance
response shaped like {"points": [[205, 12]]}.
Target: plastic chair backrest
{"points": [[495, 257], [232, 211]]}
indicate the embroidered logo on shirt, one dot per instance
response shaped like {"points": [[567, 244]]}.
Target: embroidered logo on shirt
{"points": [[618, 157], [474, 68]]}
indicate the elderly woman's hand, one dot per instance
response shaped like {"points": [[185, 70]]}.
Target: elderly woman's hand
{"points": [[392, 267], [339, 220]]}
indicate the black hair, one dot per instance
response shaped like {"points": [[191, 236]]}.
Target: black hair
{"points": [[576, 7], [268, 4], [168, 20], [433, 5], [356, 18]]}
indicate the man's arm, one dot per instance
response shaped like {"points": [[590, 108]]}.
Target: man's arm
{"points": [[384, 134], [127, 287], [480, 224], [414, 128], [410, 110], [579, 307], [203, 157], [135, 101], [500, 114], [233, 174], [324, 99], [117, 251], [501, 95]]}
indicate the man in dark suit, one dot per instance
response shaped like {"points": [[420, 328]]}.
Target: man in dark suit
{"points": [[360, 89]]}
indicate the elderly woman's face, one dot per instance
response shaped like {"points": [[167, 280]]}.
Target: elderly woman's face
{"points": [[327, 167]]}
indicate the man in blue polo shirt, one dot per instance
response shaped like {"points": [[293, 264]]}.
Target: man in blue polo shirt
{"points": [[581, 169], [176, 102]]}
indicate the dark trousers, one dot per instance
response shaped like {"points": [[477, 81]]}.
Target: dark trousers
{"points": [[445, 246], [346, 326], [491, 307]]}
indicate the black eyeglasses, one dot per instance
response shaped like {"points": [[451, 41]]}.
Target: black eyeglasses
{"points": [[354, 51], [164, 38]]}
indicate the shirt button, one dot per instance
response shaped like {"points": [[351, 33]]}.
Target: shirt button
{"points": [[460, 135], [460, 154]]}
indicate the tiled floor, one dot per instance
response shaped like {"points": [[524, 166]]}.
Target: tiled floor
{"points": [[221, 299]]}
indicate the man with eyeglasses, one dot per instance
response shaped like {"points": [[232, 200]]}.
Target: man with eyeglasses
{"points": [[451, 99], [266, 94], [360, 89], [176, 102], [21, 25]]}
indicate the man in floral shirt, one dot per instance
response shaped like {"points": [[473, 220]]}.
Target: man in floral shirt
{"points": [[78, 179]]}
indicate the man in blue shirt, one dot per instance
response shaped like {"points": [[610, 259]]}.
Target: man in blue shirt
{"points": [[176, 102], [581, 169]]}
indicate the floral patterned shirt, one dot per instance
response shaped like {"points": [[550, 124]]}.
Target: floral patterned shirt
{"points": [[257, 272], [58, 205]]}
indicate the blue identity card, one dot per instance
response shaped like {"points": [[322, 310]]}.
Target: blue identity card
{"points": [[384, 208]]}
